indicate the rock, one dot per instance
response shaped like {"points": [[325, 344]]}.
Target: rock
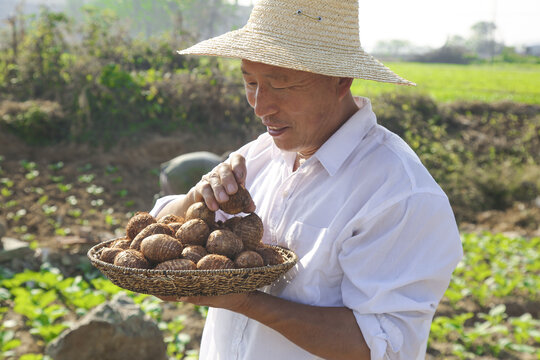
{"points": [[178, 175], [14, 249], [116, 330]]}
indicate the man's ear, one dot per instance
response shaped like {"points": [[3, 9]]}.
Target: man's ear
{"points": [[344, 86]]}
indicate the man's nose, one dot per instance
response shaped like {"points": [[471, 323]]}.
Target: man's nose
{"points": [[265, 103]]}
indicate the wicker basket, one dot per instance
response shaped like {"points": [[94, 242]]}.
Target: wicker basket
{"points": [[191, 282]]}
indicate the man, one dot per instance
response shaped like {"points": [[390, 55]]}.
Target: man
{"points": [[375, 235]]}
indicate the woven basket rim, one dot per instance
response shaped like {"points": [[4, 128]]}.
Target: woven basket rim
{"points": [[288, 263]]}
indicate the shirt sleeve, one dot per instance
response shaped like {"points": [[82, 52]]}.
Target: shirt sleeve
{"points": [[161, 202], [397, 266]]}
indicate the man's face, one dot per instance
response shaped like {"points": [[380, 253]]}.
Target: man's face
{"points": [[299, 109]]}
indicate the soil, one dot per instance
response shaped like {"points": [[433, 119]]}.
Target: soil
{"points": [[109, 185]]}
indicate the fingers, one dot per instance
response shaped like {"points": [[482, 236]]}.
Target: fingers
{"points": [[238, 164], [216, 186]]}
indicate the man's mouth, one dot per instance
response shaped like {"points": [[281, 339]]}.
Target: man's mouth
{"points": [[276, 131]]}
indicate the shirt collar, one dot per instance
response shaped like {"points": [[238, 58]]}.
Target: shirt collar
{"points": [[333, 153]]}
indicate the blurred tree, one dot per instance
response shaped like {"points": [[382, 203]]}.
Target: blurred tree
{"points": [[201, 18], [483, 39], [394, 49]]}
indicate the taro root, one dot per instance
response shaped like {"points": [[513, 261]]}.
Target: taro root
{"points": [[175, 226], [224, 242], [238, 202], [132, 259], [160, 247], [194, 253], [176, 264], [193, 232], [138, 222], [123, 243], [152, 229], [248, 259], [199, 210], [250, 230], [229, 223], [171, 218], [108, 254], [215, 262], [270, 255]]}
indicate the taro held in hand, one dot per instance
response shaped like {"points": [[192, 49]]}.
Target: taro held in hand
{"points": [[238, 202]]}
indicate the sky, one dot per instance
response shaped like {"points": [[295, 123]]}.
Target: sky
{"points": [[430, 22]]}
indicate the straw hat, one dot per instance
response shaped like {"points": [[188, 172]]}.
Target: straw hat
{"points": [[319, 36]]}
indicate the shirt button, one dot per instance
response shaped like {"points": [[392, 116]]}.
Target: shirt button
{"points": [[285, 193]]}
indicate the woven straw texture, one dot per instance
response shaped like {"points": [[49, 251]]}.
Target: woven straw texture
{"points": [[289, 34], [191, 282]]}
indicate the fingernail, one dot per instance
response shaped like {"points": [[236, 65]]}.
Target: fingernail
{"points": [[222, 196], [231, 188]]}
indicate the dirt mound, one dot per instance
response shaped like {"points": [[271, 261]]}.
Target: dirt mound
{"points": [[69, 194]]}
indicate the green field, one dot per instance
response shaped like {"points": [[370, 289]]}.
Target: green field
{"points": [[448, 82]]}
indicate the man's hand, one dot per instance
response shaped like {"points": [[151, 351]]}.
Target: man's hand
{"points": [[216, 186]]}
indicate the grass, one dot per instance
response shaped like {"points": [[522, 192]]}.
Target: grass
{"points": [[448, 82]]}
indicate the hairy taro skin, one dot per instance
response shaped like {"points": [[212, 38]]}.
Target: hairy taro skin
{"points": [[132, 259], [137, 223], [160, 247], [171, 218], [224, 242], [250, 230], [199, 210], [177, 264], [238, 202], [193, 232], [194, 253], [123, 243], [108, 254], [175, 226], [270, 255], [215, 262], [152, 229], [248, 259], [231, 222]]}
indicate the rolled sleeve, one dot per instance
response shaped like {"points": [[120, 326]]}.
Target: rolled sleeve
{"points": [[162, 202], [397, 267]]}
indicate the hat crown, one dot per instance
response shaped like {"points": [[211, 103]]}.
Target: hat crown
{"points": [[329, 23], [318, 36]]}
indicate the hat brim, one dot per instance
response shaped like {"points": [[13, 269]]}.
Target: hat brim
{"points": [[332, 61]]}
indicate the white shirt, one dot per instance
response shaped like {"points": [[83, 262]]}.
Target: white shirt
{"points": [[372, 230]]}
